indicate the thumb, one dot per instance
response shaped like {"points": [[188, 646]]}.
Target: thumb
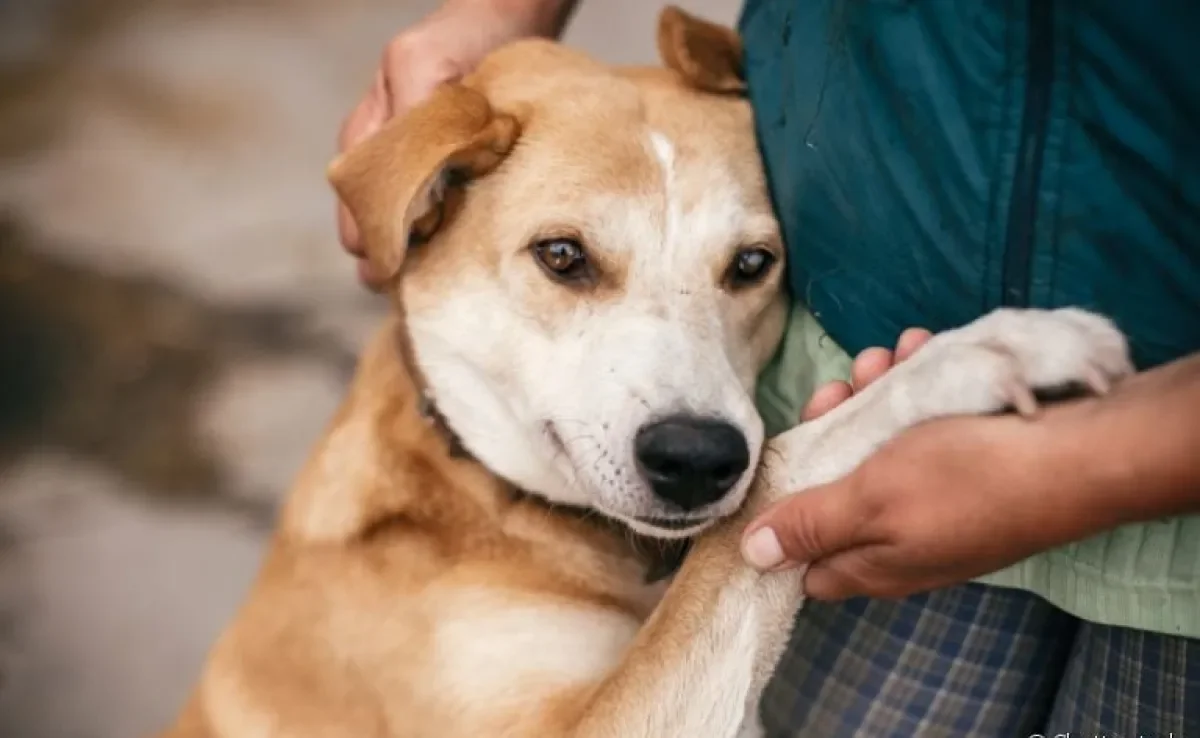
{"points": [[802, 528], [366, 118]]}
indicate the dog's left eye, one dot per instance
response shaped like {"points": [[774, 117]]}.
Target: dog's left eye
{"points": [[749, 266], [563, 258]]}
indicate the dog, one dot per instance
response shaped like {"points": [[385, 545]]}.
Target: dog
{"points": [[586, 275]]}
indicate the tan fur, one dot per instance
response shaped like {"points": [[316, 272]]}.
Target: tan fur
{"points": [[412, 593]]}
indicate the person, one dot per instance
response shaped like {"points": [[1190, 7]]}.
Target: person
{"points": [[930, 162]]}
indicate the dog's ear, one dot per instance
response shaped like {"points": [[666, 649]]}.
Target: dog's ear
{"points": [[708, 56], [395, 183]]}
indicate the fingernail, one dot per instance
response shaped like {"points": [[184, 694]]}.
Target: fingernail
{"points": [[761, 549]]}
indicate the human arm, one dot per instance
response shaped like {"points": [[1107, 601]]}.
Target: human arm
{"points": [[446, 44], [1138, 449], [957, 498]]}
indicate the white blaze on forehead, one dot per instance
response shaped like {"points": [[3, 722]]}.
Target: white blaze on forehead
{"points": [[702, 209], [664, 151]]}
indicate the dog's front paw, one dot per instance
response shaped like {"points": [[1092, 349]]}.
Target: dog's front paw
{"points": [[1002, 359], [997, 362]]}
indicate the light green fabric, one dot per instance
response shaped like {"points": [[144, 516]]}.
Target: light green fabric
{"points": [[807, 358], [1139, 576]]}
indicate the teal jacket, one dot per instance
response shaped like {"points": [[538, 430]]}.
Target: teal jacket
{"points": [[931, 160]]}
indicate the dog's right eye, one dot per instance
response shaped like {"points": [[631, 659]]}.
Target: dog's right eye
{"points": [[562, 258]]}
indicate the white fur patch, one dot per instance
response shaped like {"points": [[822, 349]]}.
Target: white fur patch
{"points": [[665, 151], [488, 652]]}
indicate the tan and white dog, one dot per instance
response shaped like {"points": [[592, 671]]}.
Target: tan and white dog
{"points": [[587, 281]]}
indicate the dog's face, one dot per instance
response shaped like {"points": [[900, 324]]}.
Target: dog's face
{"points": [[592, 309]]}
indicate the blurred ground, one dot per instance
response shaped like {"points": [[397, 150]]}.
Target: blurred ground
{"points": [[176, 320]]}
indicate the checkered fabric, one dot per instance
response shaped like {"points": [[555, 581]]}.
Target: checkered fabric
{"points": [[1130, 684], [981, 662]]}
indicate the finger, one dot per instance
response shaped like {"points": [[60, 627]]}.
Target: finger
{"points": [[367, 276], [364, 120], [802, 528], [870, 365], [415, 92], [910, 341], [348, 232], [381, 90], [827, 397], [834, 579], [827, 584], [409, 76], [857, 573]]}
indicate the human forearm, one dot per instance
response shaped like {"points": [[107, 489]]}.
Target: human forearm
{"points": [[543, 17], [1130, 457], [1153, 443]]}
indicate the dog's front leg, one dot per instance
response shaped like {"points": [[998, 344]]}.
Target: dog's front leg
{"points": [[699, 665]]}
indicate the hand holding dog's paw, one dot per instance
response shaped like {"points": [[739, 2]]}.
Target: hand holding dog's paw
{"points": [[939, 505], [950, 500]]}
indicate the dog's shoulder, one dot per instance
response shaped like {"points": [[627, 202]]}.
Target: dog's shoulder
{"points": [[501, 656], [473, 636], [407, 587]]}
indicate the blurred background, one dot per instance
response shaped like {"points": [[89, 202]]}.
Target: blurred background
{"points": [[177, 321]]}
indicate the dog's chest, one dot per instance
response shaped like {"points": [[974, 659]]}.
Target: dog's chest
{"points": [[498, 652]]}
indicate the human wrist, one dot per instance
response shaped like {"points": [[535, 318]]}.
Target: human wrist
{"points": [[1044, 499], [1125, 458], [535, 17], [1146, 436]]}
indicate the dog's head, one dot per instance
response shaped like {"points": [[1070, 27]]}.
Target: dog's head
{"points": [[589, 270]]}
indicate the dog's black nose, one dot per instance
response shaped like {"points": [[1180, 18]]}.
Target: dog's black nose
{"points": [[691, 461]]}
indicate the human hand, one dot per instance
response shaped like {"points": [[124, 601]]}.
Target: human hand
{"points": [[941, 504], [447, 44], [868, 366]]}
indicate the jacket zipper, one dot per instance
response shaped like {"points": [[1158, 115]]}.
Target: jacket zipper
{"points": [[1022, 208]]}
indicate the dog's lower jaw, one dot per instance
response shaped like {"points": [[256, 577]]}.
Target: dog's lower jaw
{"points": [[650, 530]]}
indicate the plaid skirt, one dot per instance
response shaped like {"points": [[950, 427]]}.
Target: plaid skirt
{"points": [[980, 662]]}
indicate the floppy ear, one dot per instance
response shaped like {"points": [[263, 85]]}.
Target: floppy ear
{"points": [[396, 182], [708, 56]]}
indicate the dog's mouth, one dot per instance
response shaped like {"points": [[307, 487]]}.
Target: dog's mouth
{"points": [[668, 528], [673, 524]]}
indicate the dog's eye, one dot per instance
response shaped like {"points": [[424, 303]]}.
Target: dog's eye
{"points": [[750, 265], [563, 258]]}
